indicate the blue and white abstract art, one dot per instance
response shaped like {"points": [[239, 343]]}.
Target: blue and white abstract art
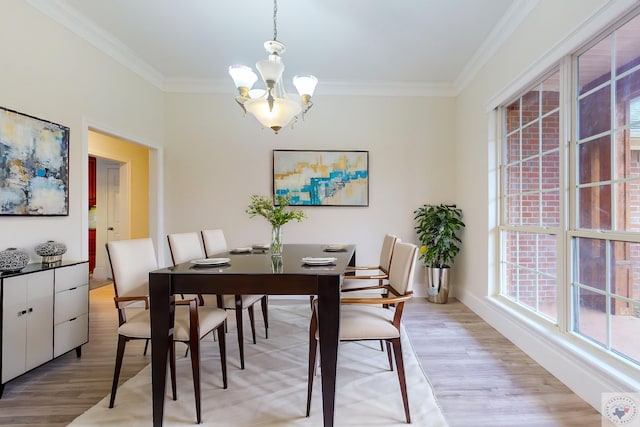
{"points": [[34, 166], [322, 178]]}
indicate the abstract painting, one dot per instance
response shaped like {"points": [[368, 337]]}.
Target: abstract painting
{"points": [[322, 178], [34, 166]]}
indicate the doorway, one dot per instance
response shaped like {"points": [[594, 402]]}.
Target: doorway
{"points": [[122, 194]]}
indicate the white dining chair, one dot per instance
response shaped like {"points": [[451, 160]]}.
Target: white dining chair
{"points": [[215, 243], [185, 247], [131, 261], [361, 276], [374, 318]]}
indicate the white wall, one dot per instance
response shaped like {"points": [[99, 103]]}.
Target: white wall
{"points": [[50, 73], [552, 30], [216, 158]]}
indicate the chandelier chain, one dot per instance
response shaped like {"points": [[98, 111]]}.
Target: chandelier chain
{"points": [[275, 23]]}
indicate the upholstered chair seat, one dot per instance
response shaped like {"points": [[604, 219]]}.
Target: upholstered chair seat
{"points": [[361, 322]]}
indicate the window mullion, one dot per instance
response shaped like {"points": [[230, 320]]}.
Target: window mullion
{"points": [[567, 134]]}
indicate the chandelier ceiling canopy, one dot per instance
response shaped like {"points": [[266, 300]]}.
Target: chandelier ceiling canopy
{"points": [[272, 106]]}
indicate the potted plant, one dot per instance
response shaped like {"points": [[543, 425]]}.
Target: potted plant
{"points": [[278, 215], [437, 227]]}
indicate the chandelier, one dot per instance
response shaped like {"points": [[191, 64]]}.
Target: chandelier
{"points": [[273, 107]]}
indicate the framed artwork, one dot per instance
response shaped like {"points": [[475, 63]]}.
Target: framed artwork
{"points": [[34, 166], [322, 178]]}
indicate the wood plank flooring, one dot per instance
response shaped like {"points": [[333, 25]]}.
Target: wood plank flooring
{"points": [[479, 377]]}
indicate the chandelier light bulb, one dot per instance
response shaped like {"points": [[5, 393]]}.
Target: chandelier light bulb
{"points": [[305, 85], [243, 77]]}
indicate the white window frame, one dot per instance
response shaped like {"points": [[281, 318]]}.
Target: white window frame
{"points": [[597, 358]]}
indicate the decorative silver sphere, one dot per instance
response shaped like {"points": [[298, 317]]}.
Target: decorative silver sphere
{"points": [[13, 260], [51, 251]]}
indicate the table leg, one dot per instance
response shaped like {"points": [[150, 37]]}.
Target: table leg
{"points": [[328, 329], [162, 311]]}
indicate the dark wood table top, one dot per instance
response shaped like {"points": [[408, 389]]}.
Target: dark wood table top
{"points": [[262, 263]]}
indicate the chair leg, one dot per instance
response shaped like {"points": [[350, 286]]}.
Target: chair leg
{"points": [[240, 329], [264, 303], [172, 368], [146, 346], [397, 350], [252, 322], [194, 345], [223, 354], [313, 350], [122, 341], [389, 355]]}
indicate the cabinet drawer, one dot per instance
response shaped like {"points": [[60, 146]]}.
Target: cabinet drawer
{"points": [[72, 276], [71, 303], [70, 334]]}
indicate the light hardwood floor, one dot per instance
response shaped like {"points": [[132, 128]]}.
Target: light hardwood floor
{"points": [[480, 378]]}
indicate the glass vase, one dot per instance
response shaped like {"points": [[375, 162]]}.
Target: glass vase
{"points": [[276, 263], [276, 240]]}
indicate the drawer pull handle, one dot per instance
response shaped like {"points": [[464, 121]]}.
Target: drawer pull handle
{"points": [[71, 320], [22, 312], [30, 309]]}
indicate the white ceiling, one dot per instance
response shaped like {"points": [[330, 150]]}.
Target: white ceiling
{"points": [[421, 47]]}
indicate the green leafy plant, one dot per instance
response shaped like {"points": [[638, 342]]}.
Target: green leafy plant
{"points": [[277, 215], [437, 227]]}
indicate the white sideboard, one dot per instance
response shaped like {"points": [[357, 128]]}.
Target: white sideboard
{"points": [[45, 313]]}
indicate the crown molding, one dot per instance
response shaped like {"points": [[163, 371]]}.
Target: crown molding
{"points": [[511, 20], [67, 16], [61, 12]]}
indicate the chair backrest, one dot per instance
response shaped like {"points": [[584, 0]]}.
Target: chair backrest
{"points": [[386, 253], [185, 247], [131, 261], [214, 241], [402, 267]]}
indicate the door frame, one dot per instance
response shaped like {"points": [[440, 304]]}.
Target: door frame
{"points": [[156, 188]]}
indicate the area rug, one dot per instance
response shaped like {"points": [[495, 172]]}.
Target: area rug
{"points": [[271, 391]]}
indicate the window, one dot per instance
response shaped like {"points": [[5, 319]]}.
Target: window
{"points": [[600, 223], [531, 197], [605, 285]]}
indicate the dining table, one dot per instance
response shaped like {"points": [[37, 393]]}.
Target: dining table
{"points": [[254, 272]]}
